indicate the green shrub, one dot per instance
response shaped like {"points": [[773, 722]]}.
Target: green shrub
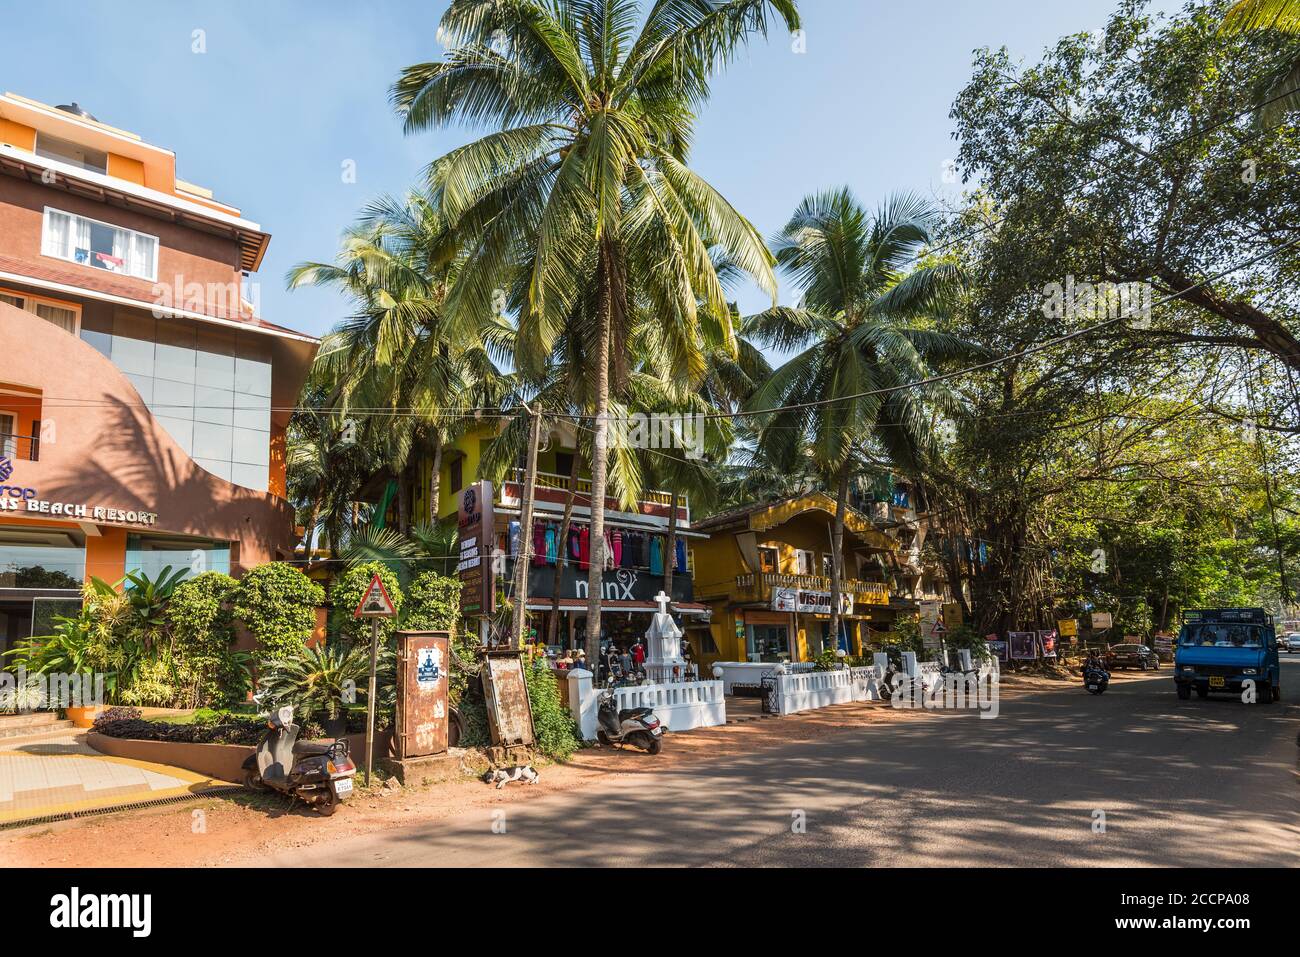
{"points": [[347, 593], [557, 734], [432, 603], [201, 617], [318, 681], [277, 603]]}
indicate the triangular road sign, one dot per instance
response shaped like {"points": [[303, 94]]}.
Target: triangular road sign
{"points": [[375, 603], [938, 627]]}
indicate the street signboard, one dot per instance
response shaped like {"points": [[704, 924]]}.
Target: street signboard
{"points": [[1067, 627], [375, 603], [1101, 620]]}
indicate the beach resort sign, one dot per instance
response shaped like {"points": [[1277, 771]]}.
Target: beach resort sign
{"points": [[24, 498]]}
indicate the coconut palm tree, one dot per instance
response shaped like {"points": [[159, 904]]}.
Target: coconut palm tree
{"points": [[1246, 16], [860, 342], [400, 381], [586, 177]]}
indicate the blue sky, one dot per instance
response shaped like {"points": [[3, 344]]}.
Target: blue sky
{"points": [[287, 92]]}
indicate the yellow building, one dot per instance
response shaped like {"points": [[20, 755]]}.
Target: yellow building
{"points": [[765, 573], [638, 535]]}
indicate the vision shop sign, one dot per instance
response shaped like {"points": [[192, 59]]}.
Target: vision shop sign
{"points": [[24, 498]]}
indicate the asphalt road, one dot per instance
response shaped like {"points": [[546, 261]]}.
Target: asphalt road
{"points": [[1179, 783]]}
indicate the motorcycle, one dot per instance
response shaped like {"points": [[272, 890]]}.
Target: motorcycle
{"points": [[320, 775], [1095, 679], [635, 726]]}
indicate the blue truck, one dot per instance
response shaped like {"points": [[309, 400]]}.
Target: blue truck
{"points": [[1226, 651]]}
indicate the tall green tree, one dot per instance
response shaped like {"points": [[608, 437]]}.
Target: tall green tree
{"points": [[862, 347], [585, 178]]}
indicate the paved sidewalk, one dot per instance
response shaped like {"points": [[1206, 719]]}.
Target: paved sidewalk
{"points": [[58, 774]]}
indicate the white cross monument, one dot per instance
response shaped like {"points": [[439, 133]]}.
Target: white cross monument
{"points": [[663, 639]]}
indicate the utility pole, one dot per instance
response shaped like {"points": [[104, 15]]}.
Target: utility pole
{"points": [[523, 554]]}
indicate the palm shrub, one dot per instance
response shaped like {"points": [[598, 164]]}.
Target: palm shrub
{"points": [[316, 681], [277, 603]]}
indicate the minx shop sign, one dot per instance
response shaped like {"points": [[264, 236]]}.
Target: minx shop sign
{"points": [[24, 498]]}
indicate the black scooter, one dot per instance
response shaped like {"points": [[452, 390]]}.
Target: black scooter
{"points": [[1095, 678], [317, 774], [635, 726]]}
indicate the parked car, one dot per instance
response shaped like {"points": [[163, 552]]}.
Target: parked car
{"points": [[1289, 642], [1132, 656]]}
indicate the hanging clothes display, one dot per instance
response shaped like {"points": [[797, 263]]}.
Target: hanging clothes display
{"points": [[539, 543], [552, 546], [513, 546], [572, 547], [656, 555], [609, 551], [616, 549], [584, 548], [681, 555]]}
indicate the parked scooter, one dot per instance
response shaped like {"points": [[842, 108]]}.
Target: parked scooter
{"points": [[635, 726], [1095, 676], [317, 774]]}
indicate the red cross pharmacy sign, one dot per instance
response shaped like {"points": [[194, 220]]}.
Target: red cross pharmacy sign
{"points": [[375, 603]]}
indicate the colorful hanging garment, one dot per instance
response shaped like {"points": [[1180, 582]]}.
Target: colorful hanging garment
{"points": [[656, 555], [539, 543], [681, 555], [552, 546], [584, 548]]}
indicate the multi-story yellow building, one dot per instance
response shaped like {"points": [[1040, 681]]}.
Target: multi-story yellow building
{"points": [[765, 573], [638, 536]]}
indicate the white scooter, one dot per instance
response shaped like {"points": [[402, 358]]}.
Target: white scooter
{"points": [[318, 774], [635, 726]]}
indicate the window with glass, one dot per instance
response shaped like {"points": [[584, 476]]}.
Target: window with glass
{"points": [[767, 560], [88, 242], [154, 555], [767, 642], [74, 154], [803, 562], [41, 558], [65, 315]]}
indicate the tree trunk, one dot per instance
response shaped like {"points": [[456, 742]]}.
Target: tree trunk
{"points": [[435, 479], [311, 525], [670, 553], [524, 553], [599, 460], [553, 629], [837, 554]]}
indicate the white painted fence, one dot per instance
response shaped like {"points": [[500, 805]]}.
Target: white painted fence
{"points": [[680, 705]]}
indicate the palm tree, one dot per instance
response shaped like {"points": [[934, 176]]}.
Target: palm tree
{"points": [[586, 178], [398, 377], [1246, 16], [863, 351]]}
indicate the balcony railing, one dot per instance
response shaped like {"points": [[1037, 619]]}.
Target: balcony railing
{"points": [[760, 585], [20, 447], [561, 483]]}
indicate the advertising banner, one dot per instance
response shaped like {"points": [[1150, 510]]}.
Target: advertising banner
{"points": [[1023, 645]]}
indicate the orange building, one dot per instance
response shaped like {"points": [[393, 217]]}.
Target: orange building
{"points": [[143, 402]]}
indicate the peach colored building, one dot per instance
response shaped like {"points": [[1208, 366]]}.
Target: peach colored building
{"points": [[143, 402]]}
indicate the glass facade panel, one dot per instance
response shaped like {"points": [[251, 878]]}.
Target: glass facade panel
{"points": [[194, 556], [209, 388]]}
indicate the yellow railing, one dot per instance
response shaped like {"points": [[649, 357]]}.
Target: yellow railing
{"points": [[761, 584]]}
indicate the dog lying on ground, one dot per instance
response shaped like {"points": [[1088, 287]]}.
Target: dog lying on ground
{"points": [[503, 776]]}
